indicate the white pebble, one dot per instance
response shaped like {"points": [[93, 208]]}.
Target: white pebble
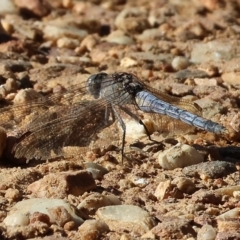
{"points": [[179, 156], [52, 32], [67, 43], [7, 6], [126, 217], [20, 211], [207, 232], [17, 220], [128, 62], [119, 37], [233, 213], [236, 194], [179, 63]]}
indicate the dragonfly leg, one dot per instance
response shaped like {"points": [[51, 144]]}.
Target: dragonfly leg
{"points": [[145, 128], [137, 119], [123, 126]]}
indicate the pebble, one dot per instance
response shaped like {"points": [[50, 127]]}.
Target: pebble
{"points": [[52, 32], [206, 196], [98, 54], [232, 78], [228, 235], [149, 46], [25, 95], [58, 185], [206, 232], [12, 194], [127, 62], [126, 218], [233, 213], [180, 63], [11, 85], [232, 65], [69, 226], [39, 217], [141, 182], [7, 6], [66, 42], [148, 235], [214, 51], [60, 215], [3, 91], [211, 5], [96, 170], [67, 3], [149, 56], [27, 31], [119, 37], [186, 73], [229, 222], [150, 34], [213, 169], [229, 190], [95, 201], [236, 194], [176, 228], [135, 130], [14, 66], [206, 81], [234, 117], [163, 189], [217, 93], [180, 89], [6, 29], [132, 20], [88, 43], [184, 184], [93, 229], [179, 156], [20, 213], [36, 7], [210, 108]]}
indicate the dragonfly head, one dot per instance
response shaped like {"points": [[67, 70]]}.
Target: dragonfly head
{"points": [[94, 83]]}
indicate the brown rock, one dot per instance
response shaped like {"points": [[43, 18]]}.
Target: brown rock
{"points": [[24, 95], [228, 235], [12, 194], [41, 217], [61, 184], [92, 229], [38, 8], [60, 215], [175, 229], [126, 218], [91, 203], [163, 190]]}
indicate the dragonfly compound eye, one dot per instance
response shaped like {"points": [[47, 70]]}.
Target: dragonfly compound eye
{"points": [[94, 83]]}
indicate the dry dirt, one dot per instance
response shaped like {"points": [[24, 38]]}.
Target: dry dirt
{"points": [[181, 187]]}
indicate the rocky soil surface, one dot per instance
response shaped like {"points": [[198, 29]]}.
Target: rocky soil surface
{"points": [[184, 186]]}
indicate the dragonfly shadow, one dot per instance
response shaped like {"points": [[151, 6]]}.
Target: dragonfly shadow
{"points": [[228, 153]]}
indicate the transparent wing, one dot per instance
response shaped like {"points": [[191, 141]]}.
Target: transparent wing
{"points": [[65, 126], [13, 116], [166, 124], [42, 127]]}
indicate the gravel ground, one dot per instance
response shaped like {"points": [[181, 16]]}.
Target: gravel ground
{"points": [[184, 186]]}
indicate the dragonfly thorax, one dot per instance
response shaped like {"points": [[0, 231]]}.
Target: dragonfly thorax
{"points": [[94, 83], [129, 82]]}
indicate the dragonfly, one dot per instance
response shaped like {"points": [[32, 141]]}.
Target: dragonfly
{"points": [[72, 119]]}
